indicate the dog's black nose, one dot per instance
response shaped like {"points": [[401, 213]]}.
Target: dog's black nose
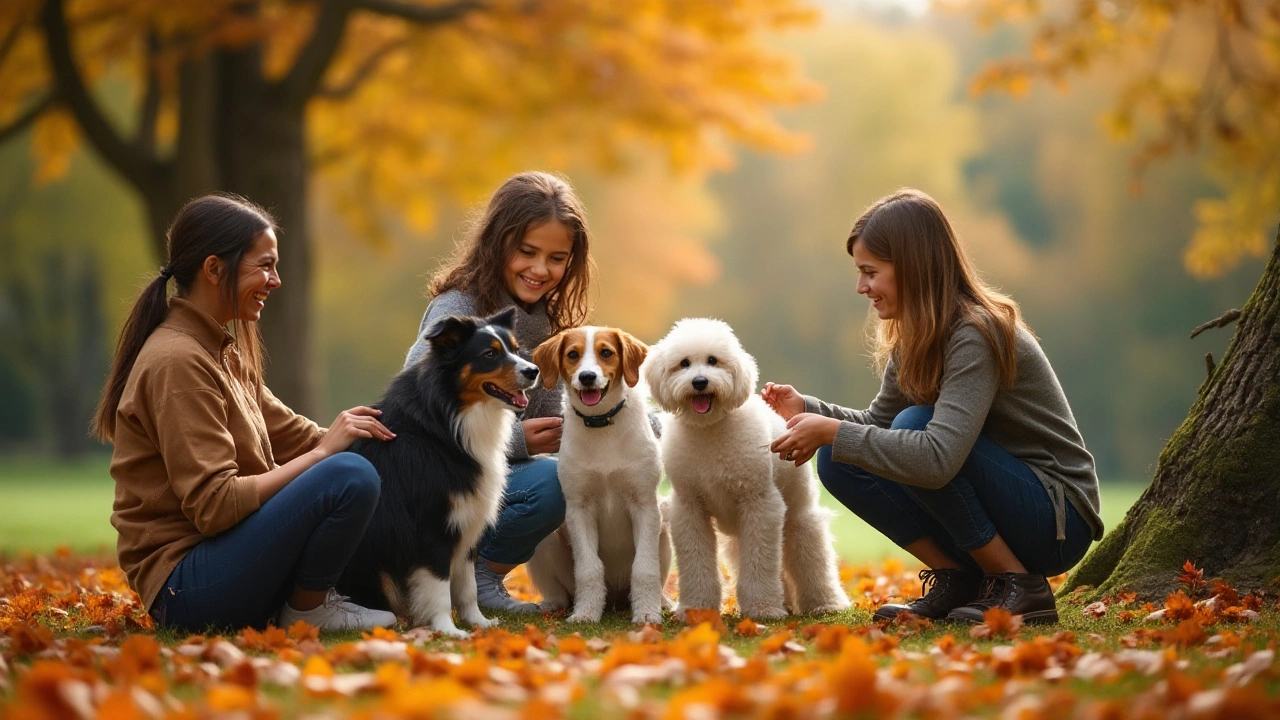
{"points": [[530, 372], [586, 377], [699, 383]]}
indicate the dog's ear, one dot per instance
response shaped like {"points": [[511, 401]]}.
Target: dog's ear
{"points": [[506, 319], [547, 357], [633, 355], [744, 378], [653, 370], [448, 334]]}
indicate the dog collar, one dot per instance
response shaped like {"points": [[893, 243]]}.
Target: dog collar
{"points": [[599, 421]]}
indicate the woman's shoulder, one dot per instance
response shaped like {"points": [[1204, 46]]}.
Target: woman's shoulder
{"points": [[175, 357], [452, 302]]}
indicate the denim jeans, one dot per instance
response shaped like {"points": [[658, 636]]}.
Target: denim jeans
{"points": [[993, 492], [302, 536], [532, 508]]}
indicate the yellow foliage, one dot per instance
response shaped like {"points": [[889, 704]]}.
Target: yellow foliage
{"points": [[54, 140]]}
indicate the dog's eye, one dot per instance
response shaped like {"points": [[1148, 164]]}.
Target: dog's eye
{"points": [[712, 360], [606, 353], [572, 355], [684, 362], [489, 354]]}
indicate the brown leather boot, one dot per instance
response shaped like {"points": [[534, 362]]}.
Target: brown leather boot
{"points": [[1021, 594], [945, 589]]}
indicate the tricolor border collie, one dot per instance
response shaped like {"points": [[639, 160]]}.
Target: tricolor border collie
{"points": [[613, 548], [443, 475]]}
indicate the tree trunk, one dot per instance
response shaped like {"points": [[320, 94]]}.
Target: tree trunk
{"points": [[1217, 484], [262, 155]]}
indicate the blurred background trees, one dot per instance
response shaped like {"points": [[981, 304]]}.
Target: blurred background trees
{"points": [[878, 97]]}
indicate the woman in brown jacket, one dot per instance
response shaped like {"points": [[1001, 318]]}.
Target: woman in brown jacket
{"points": [[231, 509]]}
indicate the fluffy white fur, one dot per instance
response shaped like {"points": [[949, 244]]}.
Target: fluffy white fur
{"points": [[613, 546], [725, 479]]}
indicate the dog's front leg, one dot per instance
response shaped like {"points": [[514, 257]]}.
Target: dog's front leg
{"points": [[588, 570], [646, 580], [695, 543], [429, 603], [462, 577], [760, 592]]}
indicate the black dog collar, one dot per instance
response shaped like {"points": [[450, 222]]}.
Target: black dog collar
{"points": [[599, 421]]}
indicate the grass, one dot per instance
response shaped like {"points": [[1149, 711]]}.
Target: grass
{"points": [[49, 504]]}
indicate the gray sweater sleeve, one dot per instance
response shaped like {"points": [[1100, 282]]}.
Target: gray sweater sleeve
{"points": [[931, 457], [457, 303], [884, 408]]}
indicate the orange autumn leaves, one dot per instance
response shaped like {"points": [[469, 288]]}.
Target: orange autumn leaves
{"points": [[1191, 661]]}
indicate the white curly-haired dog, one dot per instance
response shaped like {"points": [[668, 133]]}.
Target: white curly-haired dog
{"points": [[715, 450]]}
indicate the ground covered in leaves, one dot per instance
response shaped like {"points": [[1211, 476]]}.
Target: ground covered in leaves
{"points": [[74, 643]]}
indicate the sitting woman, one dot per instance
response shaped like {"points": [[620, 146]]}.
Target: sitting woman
{"points": [[231, 509], [969, 457]]}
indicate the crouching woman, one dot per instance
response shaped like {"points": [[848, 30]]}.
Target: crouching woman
{"points": [[969, 457]]}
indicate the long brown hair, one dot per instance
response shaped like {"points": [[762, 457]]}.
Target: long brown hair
{"points": [[222, 225], [524, 201], [938, 288]]}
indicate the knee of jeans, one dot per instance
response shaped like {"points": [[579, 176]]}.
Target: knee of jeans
{"points": [[358, 475], [916, 417]]}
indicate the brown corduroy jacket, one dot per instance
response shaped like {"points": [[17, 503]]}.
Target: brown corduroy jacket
{"points": [[190, 437]]}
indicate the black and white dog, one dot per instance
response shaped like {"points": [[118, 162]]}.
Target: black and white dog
{"points": [[443, 475]]}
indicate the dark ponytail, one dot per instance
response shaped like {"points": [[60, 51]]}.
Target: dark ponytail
{"points": [[224, 226]]}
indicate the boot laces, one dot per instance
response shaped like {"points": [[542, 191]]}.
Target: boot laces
{"points": [[994, 590]]}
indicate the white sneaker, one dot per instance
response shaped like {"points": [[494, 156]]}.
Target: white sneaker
{"points": [[491, 592], [335, 613]]}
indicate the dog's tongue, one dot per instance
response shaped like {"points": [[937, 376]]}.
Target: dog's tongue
{"points": [[521, 399], [590, 396], [701, 404]]}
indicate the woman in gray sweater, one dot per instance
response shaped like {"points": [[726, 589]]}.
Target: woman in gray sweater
{"points": [[529, 250], [969, 457]]}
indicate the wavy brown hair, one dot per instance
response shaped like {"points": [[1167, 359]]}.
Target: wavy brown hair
{"points": [[938, 289], [225, 226], [524, 201]]}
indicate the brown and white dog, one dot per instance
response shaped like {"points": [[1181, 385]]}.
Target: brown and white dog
{"points": [[613, 546]]}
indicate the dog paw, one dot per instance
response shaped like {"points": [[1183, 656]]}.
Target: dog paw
{"points": [[768, 612], [583, 617], [829, 608], [451, 631], [647, 617], [481, 621]]}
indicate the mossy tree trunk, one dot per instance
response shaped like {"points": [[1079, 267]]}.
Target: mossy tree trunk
{"points": [[1215, 498]]}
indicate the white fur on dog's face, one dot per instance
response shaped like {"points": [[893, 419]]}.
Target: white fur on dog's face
{"points": [[697, 350]]}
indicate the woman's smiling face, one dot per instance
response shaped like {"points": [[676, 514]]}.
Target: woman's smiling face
{"points": [[539, 262], [258, 275], [877, 281]]}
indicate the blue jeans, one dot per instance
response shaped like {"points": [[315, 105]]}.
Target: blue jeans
{"points": [[532, 508], [994, 492], [302, 536]]}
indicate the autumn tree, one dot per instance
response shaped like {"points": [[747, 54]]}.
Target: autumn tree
{"points": [[1200, 78], [385, 106]]}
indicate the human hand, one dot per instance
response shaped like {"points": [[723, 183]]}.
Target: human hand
{"points": [[542, 435], [358, 422], [806, 432], [784, 399]]}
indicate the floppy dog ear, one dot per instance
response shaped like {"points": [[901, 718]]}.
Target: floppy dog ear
{"points": [[547, 357], [633, 355], [652, 370], [506, 319], [745, 379], [447, 334]]}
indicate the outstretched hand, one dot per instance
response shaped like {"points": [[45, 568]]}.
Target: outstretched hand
{"points": [[806, 432], [784, 399], [542, 435], [358, 422]]}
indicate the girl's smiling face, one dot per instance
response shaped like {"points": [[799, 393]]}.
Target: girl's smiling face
{"points": [[539, 261], [876, 280]]}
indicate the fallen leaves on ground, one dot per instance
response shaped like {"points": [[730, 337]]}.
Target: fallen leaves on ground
{"points": [[74, 643]]}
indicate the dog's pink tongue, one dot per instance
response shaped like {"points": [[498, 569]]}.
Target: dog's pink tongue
{"points": [[522, 400], [701, 403], [590, 396]]}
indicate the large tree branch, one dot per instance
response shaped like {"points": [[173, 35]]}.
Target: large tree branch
{"points": [[304, 78], [128, 161], [362, 73], [21, 122], [422, 15]]}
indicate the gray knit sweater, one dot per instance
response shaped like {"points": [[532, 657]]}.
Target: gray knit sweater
{"points": [[532, 327], [1031, 420]]}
